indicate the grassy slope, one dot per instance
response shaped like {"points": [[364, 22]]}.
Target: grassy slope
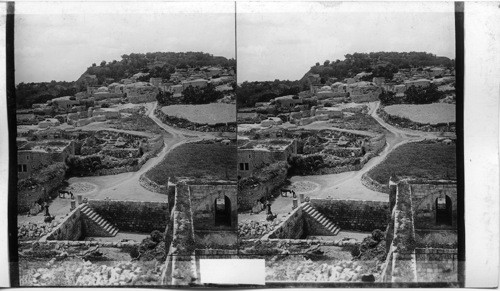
{"points": [[419, 160], [200, 161]]}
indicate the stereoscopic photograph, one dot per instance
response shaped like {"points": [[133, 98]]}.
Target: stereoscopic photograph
{"points": [[347, 167], [126, 141], [158, 143]]}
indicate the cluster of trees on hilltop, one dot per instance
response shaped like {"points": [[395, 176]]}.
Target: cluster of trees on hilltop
{"points": [[29, 93], [413, 95], [158, 64], [248, 93], [380, 64]]}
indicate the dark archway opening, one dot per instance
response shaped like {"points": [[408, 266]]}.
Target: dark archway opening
{"points": [[222, 211], [444, 210]]}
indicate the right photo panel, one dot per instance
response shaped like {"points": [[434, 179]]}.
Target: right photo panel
{"points": [[347, 143]]}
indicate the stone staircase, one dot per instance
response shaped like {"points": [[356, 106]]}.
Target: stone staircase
{"points": [[328, 225], [98, 220]]}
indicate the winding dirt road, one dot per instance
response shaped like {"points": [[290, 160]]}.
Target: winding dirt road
{"points": [[348, 185], [125, 186]]}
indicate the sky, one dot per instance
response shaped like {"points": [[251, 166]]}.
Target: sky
{"points": [[58, 42], [283, 40]]}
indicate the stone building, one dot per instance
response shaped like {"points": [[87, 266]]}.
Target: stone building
{"points": [[254, 154], [287, 103], [33, 156], [64, 104]]}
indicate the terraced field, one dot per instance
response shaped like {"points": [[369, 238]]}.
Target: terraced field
{"points": [[203, 114], [425, 113]]}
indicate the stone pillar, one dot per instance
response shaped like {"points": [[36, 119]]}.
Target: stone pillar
{"points": [[73, 204], [301, 198], [79, 198], [295, 203]]}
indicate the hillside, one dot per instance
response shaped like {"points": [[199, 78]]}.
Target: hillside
{"points": [[157, 64], [380, 64]]}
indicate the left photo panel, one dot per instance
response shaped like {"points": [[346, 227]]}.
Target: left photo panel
{"points": [[126, 146]]}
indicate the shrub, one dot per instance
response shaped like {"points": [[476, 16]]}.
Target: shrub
{"points": [[377, 235]]}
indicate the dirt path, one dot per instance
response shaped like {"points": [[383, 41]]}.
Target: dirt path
{"points": [[125, 186], [348, 185]]}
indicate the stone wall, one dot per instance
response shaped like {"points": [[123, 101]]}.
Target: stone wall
{"points": [[203, 206], [292, 226], [437, 265], [248, 195], [424, 200], [133, 216], [358, 215], [374, 185], [179, 266], [27, 197], [152, 185], [70, 228], [213, 239]]}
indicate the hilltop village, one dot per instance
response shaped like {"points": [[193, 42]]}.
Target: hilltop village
{"points": [[130, 176], [160, 160], [350, 179]]}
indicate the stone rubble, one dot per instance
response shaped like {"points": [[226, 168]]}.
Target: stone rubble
{"points": [[310, 271], [256, 229], [31, 230]]}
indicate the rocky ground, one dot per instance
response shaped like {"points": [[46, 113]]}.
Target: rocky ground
{"points": [[85, 273], [33, 231], [300, 269], [256, 229]]}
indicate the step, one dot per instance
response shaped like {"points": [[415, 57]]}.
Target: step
{"points": [[316, 215], [115, 232], [322, 220], [100, 221], [336, 231], [329, 224], [93, 216]]}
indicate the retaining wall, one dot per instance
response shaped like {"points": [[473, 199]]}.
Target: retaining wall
{"points": [[247, 196], [290, 228], [359, 215], [71, 228], [133, 216], [437, 265]]}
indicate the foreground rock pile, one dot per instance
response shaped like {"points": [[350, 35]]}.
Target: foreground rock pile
{"points": [[304, 270], [256, 229], [85, 273], [102, 275], [32, 231]]}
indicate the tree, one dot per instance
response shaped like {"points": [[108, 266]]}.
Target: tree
{"points": [[164, 98], [317, 64], [93, 65], [103, 63], [388, 98], [419, 95], [195, 95], [326, 63]]}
